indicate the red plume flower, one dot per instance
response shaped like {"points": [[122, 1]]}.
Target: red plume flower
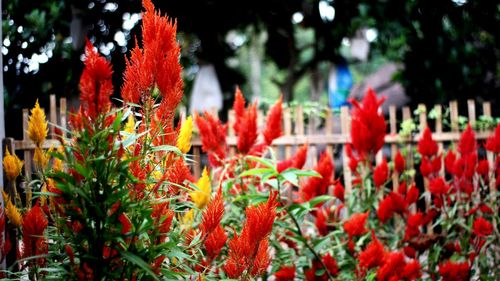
{"points": [[318, 186], [157, 64], [285, 273], [274, 122], [399, 162], [212, 214], [385, 210], [355, 225], [338, 191], [493, 142], [34, 224], [368, 125], [96, 86], [467, 143], [215, 241], [451, 271], [213, 138], [438, 187], [297, 161], [412, 271], [381, 173], [392, 268], [239, 109], [248, 136], [426, 145], [482, 227], [413, 225], [449, 161], [372, 256]]}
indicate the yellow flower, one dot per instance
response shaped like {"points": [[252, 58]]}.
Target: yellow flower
{"points": [[201, 196], [188, 219], [37, 125], [11, 211], [130, 125], [57, 165], [41, 158], [12, 165], [184, 138]]}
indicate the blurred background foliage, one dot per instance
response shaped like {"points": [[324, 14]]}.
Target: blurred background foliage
{"points": [[449, 49]]}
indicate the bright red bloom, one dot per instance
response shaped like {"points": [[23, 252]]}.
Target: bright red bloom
{"points": [[355, 226], [248, 136], [239, 110], [493, 142], [34, 225], [482, 227], [372, 256], [413, 225], [285, 273], [451, 271], [215, 241], [385, 210], [316, 186], [163, 216], [426, 145], [213, 214], [96, 86], [125, 222], [213, 138], [483, 167], [157, 64], [467, 143], [412, 195], [297, 161], [426, 166], [274, 122], [438, 187], [392, 268], [412, 271], [331, 264], [381, 173], [449, 162], [320, 222], [368, 125], [251, 247], [338, 191], [399, 162]]}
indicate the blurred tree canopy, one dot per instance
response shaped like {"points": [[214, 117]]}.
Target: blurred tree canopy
{"points": [[450, 49]]}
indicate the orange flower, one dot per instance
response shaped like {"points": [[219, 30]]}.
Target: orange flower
{"points": [[96, 86], [156, 66], [274, 122], [12, 165], [248, 135], [213, 138], [239, 109], [212, 214]]}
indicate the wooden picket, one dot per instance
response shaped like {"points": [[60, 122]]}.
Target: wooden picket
{"points": [[334, 136]]}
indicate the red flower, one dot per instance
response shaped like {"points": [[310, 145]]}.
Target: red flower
{"points": [[493, 142], [338, 191], [215, 241], [213, 138], [398, 202], [157, 64], [34, 224], [483, 167], [248, 136], [413, 224], [297, 161], [213, 214], [320, 222], [381, 173], [451, 271], [399, 162], [355, 226], [482, 227], [239, 109], [449, 162], [385, 210], [372, 256], [426, 166], [392, 268], [467, 143], [412, 195], [251, 247], [316, 186], [368, 125], [96, 86], [427, 146], [274, 122], [438, 187], [331, 264], [125, 222], [412, 271], [285, 273]]}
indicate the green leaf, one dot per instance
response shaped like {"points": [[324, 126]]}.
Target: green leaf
{"points": [[255, 172], [169, 148], [139, 262], [320, 199], [263, 161]]}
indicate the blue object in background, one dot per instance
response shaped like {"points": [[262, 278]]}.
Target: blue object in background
{"points": [[340, 82]]}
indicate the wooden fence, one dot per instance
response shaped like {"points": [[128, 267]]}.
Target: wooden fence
{"points": [[330, 132]]}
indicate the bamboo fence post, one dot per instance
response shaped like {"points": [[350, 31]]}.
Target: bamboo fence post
{"points": [[231, 118], [63, 119], [439, 130], [287, 122], [52, 116], [394, 149]]}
